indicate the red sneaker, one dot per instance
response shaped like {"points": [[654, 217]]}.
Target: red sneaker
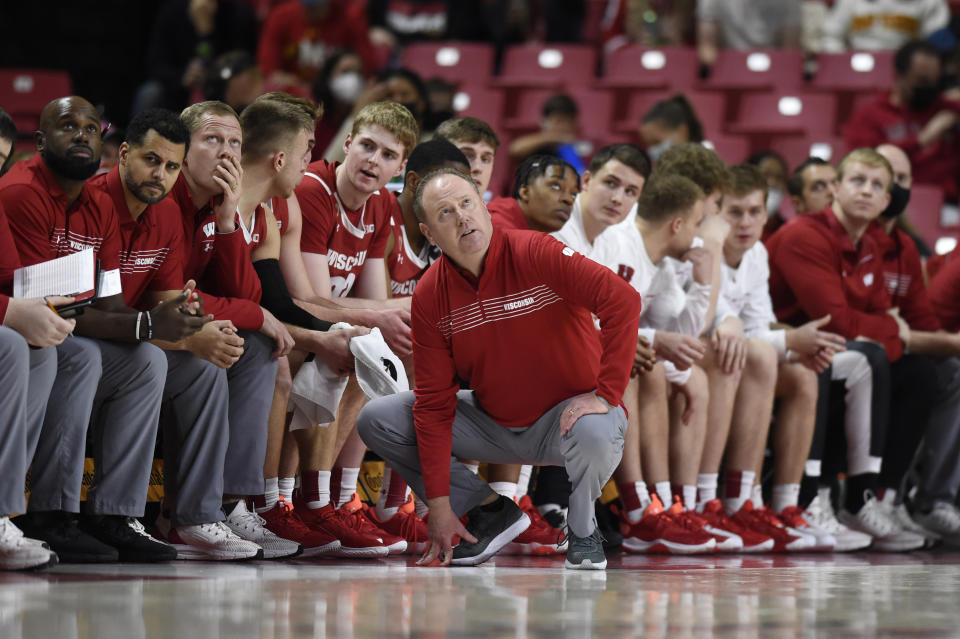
{"points": [[745, 539], [282, 521], [406, 525], [540, 538], [395, 544], [659, 532], [754, 528], [353, 530], [785, 538]]}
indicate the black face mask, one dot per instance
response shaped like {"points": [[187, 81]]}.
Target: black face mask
{"points": [[414, 110], [899, 197], [924, 96], [433, 119]]}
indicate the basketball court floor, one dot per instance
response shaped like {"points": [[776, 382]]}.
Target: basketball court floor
{"points": [[861, 595]]}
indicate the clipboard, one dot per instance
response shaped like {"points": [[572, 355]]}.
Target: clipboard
{"points": [[76, 309]]}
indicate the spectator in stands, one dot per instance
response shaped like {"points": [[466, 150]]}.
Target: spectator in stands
{"points": [[299, 36], [110, 155], [338, 85], [668, 122], [812, 185], [8, 140], [881, 24], [187, 36], [916, 117], [558, 133], [440, 94], [400, 22], [235, 79], [626, 21], [478, 141], [774, 168], [746, 24]]}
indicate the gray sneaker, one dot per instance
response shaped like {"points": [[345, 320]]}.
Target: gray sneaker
{"points": [[586, 553]]}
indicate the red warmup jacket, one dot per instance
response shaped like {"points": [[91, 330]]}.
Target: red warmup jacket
{"points": [[815, 269], [219, 262], [944, 291], [505, 212], [903, 278], [9, 262], [522, 338], [881, 122]]}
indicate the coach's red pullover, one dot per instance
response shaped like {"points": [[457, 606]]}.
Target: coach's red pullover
{"points": [[815, 269], [903, 277], [521, 337], [881, 122], [219, 262]]}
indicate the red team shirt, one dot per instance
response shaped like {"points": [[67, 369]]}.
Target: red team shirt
{"points": [[42, 226], [815, 269], [258, 234], [522, 337], [505, 212], [347, 238], [150, 260], [944, 292], [9, 262], [903, 277], [405, 267]]}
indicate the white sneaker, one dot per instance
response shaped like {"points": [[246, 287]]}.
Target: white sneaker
{"points": [[211, 542], [900, 515], [878, 522], [251, 526], [944, 520], [820, 514], [20, 553], [796, 520]]}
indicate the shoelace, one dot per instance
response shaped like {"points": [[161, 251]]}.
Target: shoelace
{"points": [[580, 543]]}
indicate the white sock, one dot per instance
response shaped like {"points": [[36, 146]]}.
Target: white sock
{"points": [[664, 493], [506, 488], [643, 495], [473, 468], [285, 487], [323, 490], [706, 489], [690, 497], [744, 491], [348, 484], [784, 496], [523, 483], [757, 496], [271, 494], [420, 507]]}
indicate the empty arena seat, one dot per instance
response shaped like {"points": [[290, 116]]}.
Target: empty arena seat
{"points": [[639, 67], [709, 107], [456, 62], [781, 113], [544, 65], [731, 149], [596, 110], [796, 149], [761, 69], [480, 102], [924, 213], [854, 71], [24, 93]]}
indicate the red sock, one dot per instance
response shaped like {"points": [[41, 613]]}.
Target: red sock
{"points": [[309, 485], [396, 490], [628, 496]]}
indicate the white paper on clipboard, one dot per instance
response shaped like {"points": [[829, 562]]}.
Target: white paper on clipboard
{"points": [[68, 275]]}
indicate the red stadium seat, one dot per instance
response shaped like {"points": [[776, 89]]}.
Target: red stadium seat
{"points": [[596, 110], [796, 149], [854, 71], [779, 113], [709, 107], [539, 65], [480, 102], [24, 93], [923, 212], [756, 70], [731, 149], [456, 62], [639, 67]]}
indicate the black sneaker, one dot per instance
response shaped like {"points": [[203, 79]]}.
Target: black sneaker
{"points": [[73, 546], [556, 519], [494, 525], [586, 553], [128, 536], [609, 526]]}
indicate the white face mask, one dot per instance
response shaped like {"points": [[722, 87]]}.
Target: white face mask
{"points": [[659, 148], [774, 198], [346, 87]]}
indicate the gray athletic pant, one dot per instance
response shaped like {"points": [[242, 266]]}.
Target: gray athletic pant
{"points": [[116, 388], [940, 451], [251, 380], [590, 451], [196, 430], [26, 377]]}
